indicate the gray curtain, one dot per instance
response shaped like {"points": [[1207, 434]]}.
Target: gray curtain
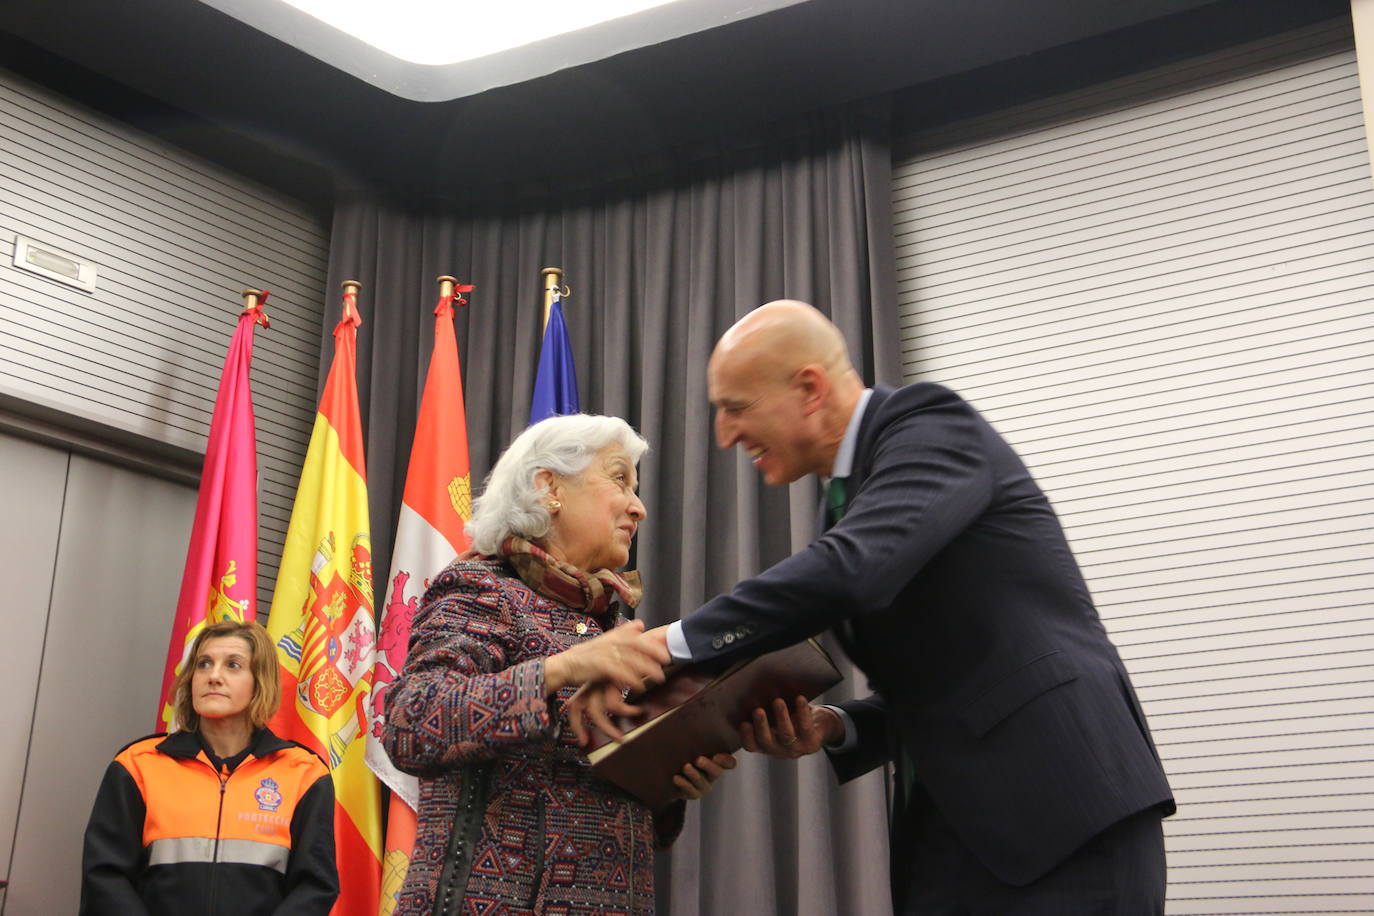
{"points": [[661, 259]]}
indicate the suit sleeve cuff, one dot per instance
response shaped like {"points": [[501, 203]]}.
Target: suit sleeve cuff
{"points": [[851, 736], [677, 643]]}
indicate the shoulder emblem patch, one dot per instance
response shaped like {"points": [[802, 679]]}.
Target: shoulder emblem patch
{"points": [[268, 795]]}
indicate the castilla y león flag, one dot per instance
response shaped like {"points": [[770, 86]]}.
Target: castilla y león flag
{"points": [[429, 534], [322, 622], [221, 577]]}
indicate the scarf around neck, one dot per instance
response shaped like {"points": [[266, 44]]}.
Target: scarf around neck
{"points": [[591, 592]]}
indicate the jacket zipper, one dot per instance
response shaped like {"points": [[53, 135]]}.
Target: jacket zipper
{"points": [[214, 859]]}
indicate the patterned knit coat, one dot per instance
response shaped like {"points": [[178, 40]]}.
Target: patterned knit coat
{"points": [[511, 819]]}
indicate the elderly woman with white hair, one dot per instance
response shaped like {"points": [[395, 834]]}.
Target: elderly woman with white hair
{"points": [[511, 818]]}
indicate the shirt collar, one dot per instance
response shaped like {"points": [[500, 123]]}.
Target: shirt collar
{"points": [[844, 458]]}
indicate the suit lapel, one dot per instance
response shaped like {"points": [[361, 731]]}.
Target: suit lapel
{"points": [[850, 630], [863, 449]]}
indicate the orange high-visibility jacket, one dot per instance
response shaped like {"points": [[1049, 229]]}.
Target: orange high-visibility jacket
{"points": [[171, 834]]}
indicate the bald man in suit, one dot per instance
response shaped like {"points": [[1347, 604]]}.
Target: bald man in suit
{"points": [[1027, 781]]}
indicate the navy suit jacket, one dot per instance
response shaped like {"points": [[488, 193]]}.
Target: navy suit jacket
{"points": [[969, 616]]}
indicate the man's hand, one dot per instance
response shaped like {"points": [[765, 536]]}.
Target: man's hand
{"points": [[699, 776], [787, 735], [625, 656]]}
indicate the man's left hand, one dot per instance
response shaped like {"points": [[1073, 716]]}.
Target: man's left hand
{"points": [[698, 777], [788, 734]]}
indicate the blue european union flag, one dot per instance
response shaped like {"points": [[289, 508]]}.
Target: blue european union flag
{"points": [[555, 383]]}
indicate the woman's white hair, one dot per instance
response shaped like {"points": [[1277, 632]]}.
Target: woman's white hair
{"points": [[512, 503]]}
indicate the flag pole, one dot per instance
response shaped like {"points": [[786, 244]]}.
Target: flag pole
{"points": [[255, 304], [351, 289], [450, 299], [553, 286]]}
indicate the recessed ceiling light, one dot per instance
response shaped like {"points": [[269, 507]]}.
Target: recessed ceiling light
{"points": [[438, 32], [436, 50]]}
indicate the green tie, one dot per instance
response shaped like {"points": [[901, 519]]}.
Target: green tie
{"points": [[835, 497]]}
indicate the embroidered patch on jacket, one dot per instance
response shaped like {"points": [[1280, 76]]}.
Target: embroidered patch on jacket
{"points": [[268, 795]]}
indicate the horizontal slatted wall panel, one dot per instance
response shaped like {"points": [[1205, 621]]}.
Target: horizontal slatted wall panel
{"points": [[1160, 290], [175, 238]]}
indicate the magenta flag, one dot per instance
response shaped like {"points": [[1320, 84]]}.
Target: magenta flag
{"points": [[221, 577]]}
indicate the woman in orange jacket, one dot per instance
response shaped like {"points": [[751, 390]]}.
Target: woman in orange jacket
{"points": [[221, 817]]}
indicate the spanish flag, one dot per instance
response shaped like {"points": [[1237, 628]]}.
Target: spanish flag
{"points": [[220, 581], [429, 534], [322, 622]]}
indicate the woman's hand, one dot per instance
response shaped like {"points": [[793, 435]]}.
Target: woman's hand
{"points": [[620, 657], [788, 735], [598, 699], [698, 777]]}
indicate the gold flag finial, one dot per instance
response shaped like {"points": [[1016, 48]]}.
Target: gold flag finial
{"points": [[350, 301], [254, 301], [553, 286]]}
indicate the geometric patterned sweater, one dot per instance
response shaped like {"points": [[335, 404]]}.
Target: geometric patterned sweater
{"points": [[510, 820]]}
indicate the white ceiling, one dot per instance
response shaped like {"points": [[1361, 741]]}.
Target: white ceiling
{"points": [[479, 70]]}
